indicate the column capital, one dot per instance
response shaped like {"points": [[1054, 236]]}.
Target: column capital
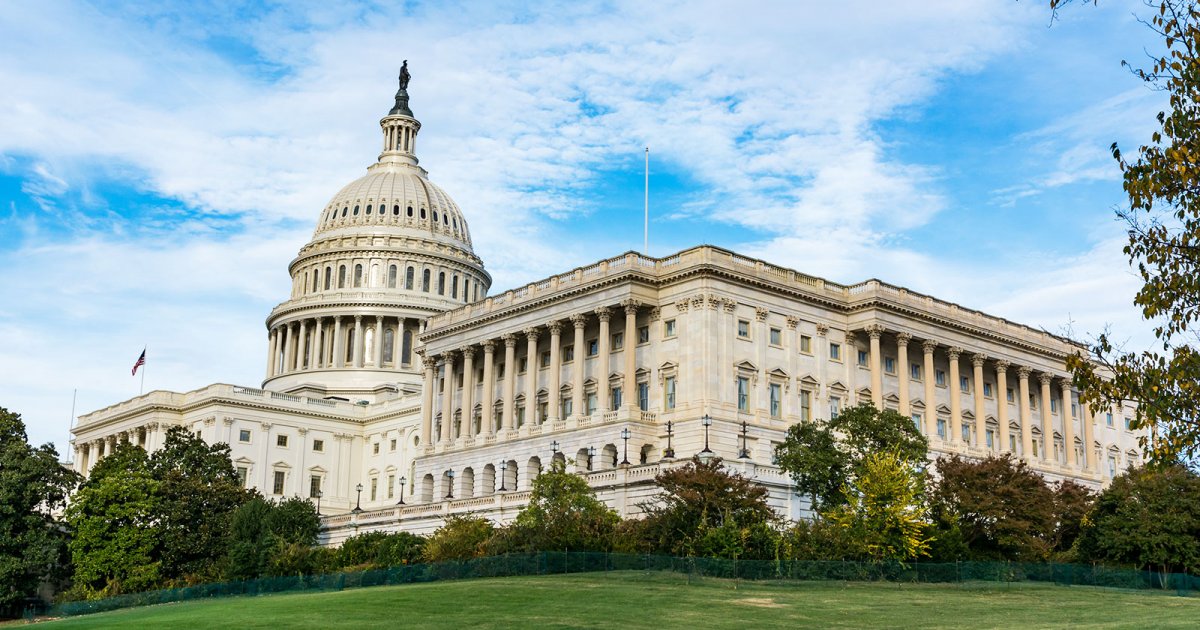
{"points": [[532, 334], [792, 322], [603, 313], [555, 327], [449, 356], [848, 337], [682, 305], [822, 330], [630, 304], [875, 331], [761, 313], [954, 352], [1002, 366], [1065, 383], [358, 319], [468, 352], [438, 360], [579, 320], [510, 340], [302, 431], [929, 346], [420, 352], [699, 299], [1023, 372], [978, 359], [489, 346], [1045, 378], [226, 420], [655, 314], [903, 338], [730, 304]]}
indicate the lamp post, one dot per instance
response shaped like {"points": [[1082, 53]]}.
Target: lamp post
{"points": [[554, 447], [591, 453], [358, 501], [403, 482], [318, 497], [450, 488], [670, 452], [503, 474], [707, 422], [625, 435], [744, 453]]}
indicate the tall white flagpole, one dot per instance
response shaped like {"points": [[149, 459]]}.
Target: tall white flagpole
{"points": [[70, 452], [142, 387], [646, 218]]}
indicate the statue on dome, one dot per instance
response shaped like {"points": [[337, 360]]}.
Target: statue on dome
{"points": [[404, 76]]}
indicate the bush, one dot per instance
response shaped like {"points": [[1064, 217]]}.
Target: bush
{"points": [[459, 538]]}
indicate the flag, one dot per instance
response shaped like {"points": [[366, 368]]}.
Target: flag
{"points": [[140, 362]]}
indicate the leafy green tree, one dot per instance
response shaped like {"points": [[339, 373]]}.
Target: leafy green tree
{"points": [[268, 538], [32, 486], [699, 497], [459, 538], [1148, 518], [822, 458], [381, 549], [251, 542], [113, 519], [563, 514], [1072, 502], [992, 509], [1163, 220], [884, 515]]}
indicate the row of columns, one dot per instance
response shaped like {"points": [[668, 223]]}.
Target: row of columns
{"points": [[446, 365], [89, 452], [1002, 367], [321, 342]]}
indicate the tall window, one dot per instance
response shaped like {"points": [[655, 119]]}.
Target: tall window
{"points": [[776, 337], [915, 371], [358, 275], [835, 351], [328, 277], [615, 398], [591, 402], [406, 347], [644, 396], [776, 395], [391, 486], [862, 357], [835, 406], [278, 486], [805, 344], [669, 386], [941, 428], [441, 283], [314, 486], [389, 340], [392, 276], [425, 281], [743, 329], [454, 286], [342, 276], [374, 488], [916, 418], [408, 278], [743, 394], [805, 405], [242, 473], [349, 345], [669, 328]]}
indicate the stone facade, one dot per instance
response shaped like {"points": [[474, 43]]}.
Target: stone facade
{"points": [[392, 376]]}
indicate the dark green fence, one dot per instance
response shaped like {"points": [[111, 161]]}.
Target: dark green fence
{"points": [[544, 563]]}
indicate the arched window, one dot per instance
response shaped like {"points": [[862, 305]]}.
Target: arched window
{"points": [[408, 279], [445, 219], [410, 212], [316, 275], [389, 339], [455, 221], [396, 210], [441, 283], [391, 276], [368, 208], [358, 275], [454, 286], [425, 281], [356, 210], [406, 347], [435, 216], [422, 213], [328, 277], [345, 210], [342, 277], [466, 286]]}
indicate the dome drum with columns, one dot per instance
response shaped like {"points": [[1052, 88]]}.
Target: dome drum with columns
{"points": [[390, 249]]}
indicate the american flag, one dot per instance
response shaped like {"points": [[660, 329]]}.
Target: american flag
{"points": [[140, 362]]}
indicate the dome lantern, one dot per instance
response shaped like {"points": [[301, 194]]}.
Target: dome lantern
{"points": [[400, 127]]}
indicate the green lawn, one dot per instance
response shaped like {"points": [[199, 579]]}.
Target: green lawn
{"points": [[661, 600]]}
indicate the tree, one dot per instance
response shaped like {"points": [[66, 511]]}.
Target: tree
{"points": [[1072, 502], [699, 497], [459, 538], [996, 509], [823, 458], [1148, 518], [563, 513], [381, 549], [884, 515], [1163, 219], [32, 486], [268, 538]]}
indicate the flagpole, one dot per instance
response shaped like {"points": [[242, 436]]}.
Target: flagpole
{"points": [[646, 218], [142, 387], [70, 425]]}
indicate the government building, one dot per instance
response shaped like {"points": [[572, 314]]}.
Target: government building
{"points": [[399, 390]]}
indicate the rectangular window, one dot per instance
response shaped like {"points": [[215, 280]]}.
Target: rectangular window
{"points": [[243, 472], [1112, 466], [669, 386], [776, 337], [743, 329], [519, 415], [318, 446], [987, 390], [1053, 405], [889, 365], [1035, 445], [391, 486], [1010, 395], [545, 358], [244, 435], [374, 488], [776, 396], [835, 406], [568, 354], [743, 393], [281, 441], [392, 445], [939, 378], [522, 366], [669, 328], [277, 488], [862, 358], [618, 341], [375, 448], [1012, 443], [644, 396], [1033, 402], [543, 410], [314, 486], [964, 384], [500, 371], [643, 334], [835, 351], [567, 407], [914, 371], [941, 428], [805, 405], [591, 402], [593, 347], [1128, 423], [966, 434], [916, 418], [1074, 409], [1108, 419], [805, 344], [614, 398], [990, 436]]}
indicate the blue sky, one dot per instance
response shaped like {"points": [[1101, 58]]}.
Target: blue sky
{"points": [[160, 162]]}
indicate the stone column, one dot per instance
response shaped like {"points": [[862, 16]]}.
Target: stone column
{"points": [[300, 340], [577, 397], [1089, 457], [903, 373], [398, 344], [1002, 403], [955, 396], [555, 382], [445, 435], [850, 364], [272, 344], [468, 395], [357, 356], [602, 358], [531, 375], [1047, 421], [317, 357], [289, 350], [489, 384], [977, 361], [820, 408], [1068, 425], [378, 352], [1026, 417], [874, 332], [338, 340], [630, 388], [929, 346], [510, 381]]}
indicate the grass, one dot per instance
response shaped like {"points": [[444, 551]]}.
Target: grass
{"points": [[631, 599]]}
